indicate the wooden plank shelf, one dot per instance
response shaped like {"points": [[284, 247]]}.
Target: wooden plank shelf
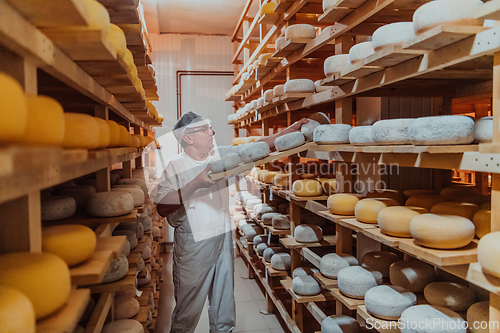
{"points": [[106, 68], [271, 272], [382, 326], [291, 97], [379, 236], [333, 217], [290, 46], [442, 36], [465, 255], [100, 313], [350, 303], [134, 258], [282, 5], [65, 319], [125, 284], [359, 70], [114, 244], [92, 221], [484, 280], [325, 283], [322, 297], [336, 80], [335, 14], [92, 270], [355, 225], [291, 243], [269, 18], [391, 55]]}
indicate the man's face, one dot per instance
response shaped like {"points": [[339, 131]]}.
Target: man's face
{"points": [[201, 137]]}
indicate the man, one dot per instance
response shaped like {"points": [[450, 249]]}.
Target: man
{"points": [[197, 208]]}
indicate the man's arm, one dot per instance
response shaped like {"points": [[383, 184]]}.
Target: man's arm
{"points": [[293, 128]]}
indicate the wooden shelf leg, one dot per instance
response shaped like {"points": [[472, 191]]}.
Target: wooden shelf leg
{"points": [[138, 162], [269, 301], [127, 169], [298, 315], [344, 239], [103, 180], [494, 312], [296, 259]]}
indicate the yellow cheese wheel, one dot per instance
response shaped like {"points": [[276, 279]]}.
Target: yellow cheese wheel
{"points": [[16, 312], [45, 125], [254, 171], [98, 16], [343, 203], [104, 133], [74, 243], [142, 140], [268, 177], [282, 179], [267, 8], [114, 133], [397, 195], [237, 141], [133, 72], [488, 253], [425, 201], [81, 131], [129, 61], [307, 188], [43, 277], [441, 231], [258, 173], [14, 111], [482, 222], [125, 138], [329, 186], [366, 210], [118, 40], [395, 221], [463, 209], [135, 142]]}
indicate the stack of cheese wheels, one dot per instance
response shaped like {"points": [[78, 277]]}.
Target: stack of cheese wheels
{"points": [[43, 277], [395, 221], [343, 203], [305, 286], [393, 34], [73, 243], [305, 233], [463, 209], [299, 86], [482, 222], [379, 261], [336, 64], [453, 296], [281, 261], [396, 195], [14, 112], [123, 325], [412, 193], [253, 151], [16, 311], [442, 231], [307, 188], [45, 122], [488, 253], [391, 131], [337, 324], [329, 186], [361, 136], [355, 281], [483, 130], [420, 315], [300, 31], [281, 222], [388, 302], [270, 252], [331, 264], [282, 179], [110, 204], [360, 51], [366, 210], [412, 275], [331, 134], [477, 313], [425, 201], [226, 162], [303, 271], [289, 141], [258, 173], [450, 12], [441, 130], [57, 208], [279, 90]]}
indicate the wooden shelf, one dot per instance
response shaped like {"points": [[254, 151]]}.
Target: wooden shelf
{"points": [[325, 282], [125, 284], [271, 272], [379, 236], [92, 221], [350, 303], [114, 244], [291, 243], [290, 46], [322, 297], [382, 326], [92, 270], [65, 319], [486, 281], [441, 36], [270, 18]]}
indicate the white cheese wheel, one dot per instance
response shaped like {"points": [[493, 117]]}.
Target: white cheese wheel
{"points": [[250, 233], [269, 95], [321, 88], [116, 270], [261, 209], [259, 239], [300, 31], [332, 134], [279, 90], [270, 252], [463, 209], [418, 317], [412, 275], [453, 296], [478, 313], [388, 302], [136, 193], [361, 136], [395, 221], [308, 129], [379, 261], [110, 204], [281, 262], [253, 151], [146, 253], [307, 188], [299, 86], [280, 222], [342, 203], [237, 217], [329, 4], [412, 193], [251, 203], [366, 210], [454, 12], [305, 233], [351, 260], [141, 281], [123, 326], [73, 243], [396, 195], [57, 208], [425, 201], [483, 130], [482, 222], [16, 311], [126, 248], [305, 286], [267, 218], [393, 34], [442, 231], [126, 307], [146, 221], [123, 186], [488, 253], [282, 179], [43, 277], [245, 76], [232, 117], [134, 181], [80, 193], [340, 324], [260, 248], [278, 44], [330, 265], [131, 236], [329, 186], [391, 131], [441, 130], [253, 104], [336, 64], [251, 197], [303, 271], [289, 141], [226, 162], [355, 281], [149, 241], [141, 264], [361, 51]]}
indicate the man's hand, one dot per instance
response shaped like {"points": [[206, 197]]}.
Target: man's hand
{"points": [[202, 180], [298, 124]]}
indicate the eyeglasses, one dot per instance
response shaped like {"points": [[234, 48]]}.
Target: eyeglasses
{"points": [[204, 130]]}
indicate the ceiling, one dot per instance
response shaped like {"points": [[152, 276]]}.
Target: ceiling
{"points": [[207, 17]]}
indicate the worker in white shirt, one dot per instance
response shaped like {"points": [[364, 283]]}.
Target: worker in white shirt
{"points": [[198, 209]]}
